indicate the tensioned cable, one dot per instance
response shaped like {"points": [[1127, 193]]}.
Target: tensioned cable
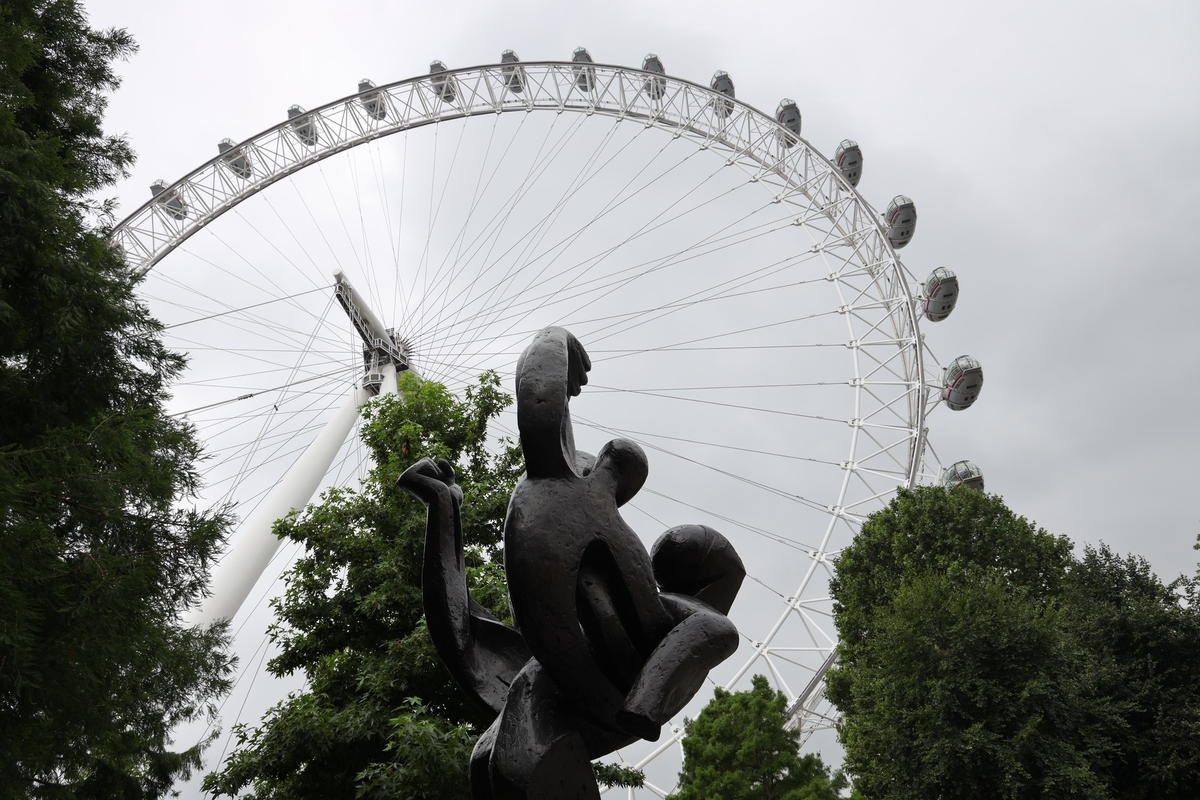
{"points": [[170, 280], [208, 382], [267, 420], [360, 260], [278, 453], [244, 352], [632, 433], [255, 394], [272, 437], [504, 210], [599, 258], [318, 398], [459, 299], [477, 195], [595, 261], [539, 301], [640, 232], [437, 211], [741, 479], [479, 240], [398, 296], [780, 412], [375, 157], [422, 262], [682, 345], [266, 199], [368, 260], [726, 294], [317, 225], [673, 261], [770, 535], [500, 220], [532, 238], [246, 308], [173, 281]]}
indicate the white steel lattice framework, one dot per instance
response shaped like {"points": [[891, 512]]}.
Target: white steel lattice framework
{"points": [[894, 375]]}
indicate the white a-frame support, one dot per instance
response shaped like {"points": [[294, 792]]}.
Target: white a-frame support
{"points": [[256, 544]]}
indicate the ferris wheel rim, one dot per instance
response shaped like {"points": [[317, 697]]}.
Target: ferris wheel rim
{"points": [[351, 106], [125, 234], [123, 231]]}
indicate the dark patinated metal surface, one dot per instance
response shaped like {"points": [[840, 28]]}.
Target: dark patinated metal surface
{"points": [[609, 641]]}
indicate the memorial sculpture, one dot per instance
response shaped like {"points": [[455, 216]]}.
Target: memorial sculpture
{"points": [[609, 641]]}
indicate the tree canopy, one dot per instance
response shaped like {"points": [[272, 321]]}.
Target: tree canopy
{"points": [[100, 552], [739, 749], [979, 658]]}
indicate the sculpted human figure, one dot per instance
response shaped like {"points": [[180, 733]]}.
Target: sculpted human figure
{"points": [[609, 641]]}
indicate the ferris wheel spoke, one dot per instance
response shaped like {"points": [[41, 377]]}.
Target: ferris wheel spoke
{"points": [[538, 168], [540, 277], [600, 256]]}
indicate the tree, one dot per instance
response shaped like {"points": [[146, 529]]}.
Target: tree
{"points": [[965, 688], [979, 658], [739, 749], [1140, 643], [381, 716], [100, 554], [963, 533]]}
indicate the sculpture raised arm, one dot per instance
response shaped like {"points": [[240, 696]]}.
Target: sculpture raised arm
{"points": [[549, 373], [483, 654]]}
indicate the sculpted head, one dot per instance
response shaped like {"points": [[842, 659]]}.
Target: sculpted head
{"points": [[622, 465]]}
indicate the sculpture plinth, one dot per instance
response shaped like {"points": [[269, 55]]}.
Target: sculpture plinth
{"points": [[609, 641]]}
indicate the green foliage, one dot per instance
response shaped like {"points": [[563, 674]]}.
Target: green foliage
{"points": [[1139, 641], [739, 749], [616, 775], [381, 716], [964, 689], [979, 658], [964, 534], [100, 556]]}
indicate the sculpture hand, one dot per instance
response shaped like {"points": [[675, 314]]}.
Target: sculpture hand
{"points": [[425, 479], [578, 366]]}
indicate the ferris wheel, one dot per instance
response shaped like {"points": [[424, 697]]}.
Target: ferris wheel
{"points": [[748, 319]]}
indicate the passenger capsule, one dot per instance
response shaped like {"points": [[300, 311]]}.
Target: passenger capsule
{"points": [[585, 77], [901, 217], [234, 158], [722, 83], [962, 383], [443, 85], [941, 294], [305, 129], [788, 115], [372, 101], [963, 473], [656, 87], [848, 159], [170, 199], [514, 76]]}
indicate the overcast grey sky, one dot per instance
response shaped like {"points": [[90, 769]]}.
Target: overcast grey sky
{"points": [[1050, 148]]}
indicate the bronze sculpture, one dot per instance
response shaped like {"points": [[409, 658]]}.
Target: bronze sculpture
{"points": [[609, 641]]}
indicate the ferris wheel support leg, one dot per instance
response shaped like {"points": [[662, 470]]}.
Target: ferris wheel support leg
{"points": [[243, 563], [391, 383]]}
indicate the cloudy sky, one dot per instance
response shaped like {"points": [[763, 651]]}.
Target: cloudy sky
{"points": [[1049, 148]]}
